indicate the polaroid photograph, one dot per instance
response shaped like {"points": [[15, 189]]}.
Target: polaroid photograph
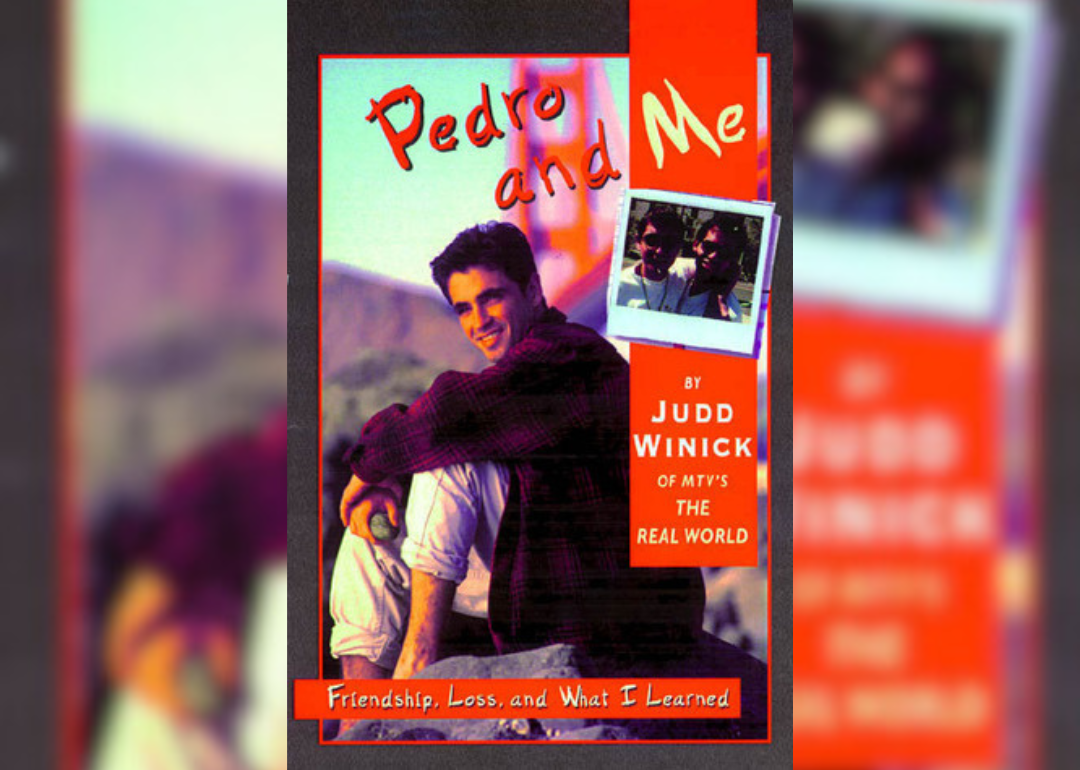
{"points": [[691, 270], [911, 128]]}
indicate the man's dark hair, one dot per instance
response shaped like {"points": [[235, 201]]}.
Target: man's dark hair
{"points": [[495, 245], [730, 226], [665, 220]]}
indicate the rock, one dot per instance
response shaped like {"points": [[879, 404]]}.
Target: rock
{"points": [[597, 733], [708, 657], [554, 728], [553, 662], [446, 729], [422, 734]]}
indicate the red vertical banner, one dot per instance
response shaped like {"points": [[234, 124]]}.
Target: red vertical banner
{"points": [[897, 532], [693, 129], [694, 455], [693, 97]]}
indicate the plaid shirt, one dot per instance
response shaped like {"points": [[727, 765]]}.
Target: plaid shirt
{"points": [[556, 410]]}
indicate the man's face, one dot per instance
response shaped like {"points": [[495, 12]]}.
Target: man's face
{"points": [[900, 91], [658, 250], [714, 252], [493, 311]]}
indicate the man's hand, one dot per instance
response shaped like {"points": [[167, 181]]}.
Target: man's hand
{"points": [[361, 499]]}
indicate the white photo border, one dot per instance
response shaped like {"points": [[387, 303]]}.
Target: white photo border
{"points": [[903, 272], [642, 325]]}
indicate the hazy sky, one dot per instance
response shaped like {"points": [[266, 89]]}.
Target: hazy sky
{"points": [[204, 77]]}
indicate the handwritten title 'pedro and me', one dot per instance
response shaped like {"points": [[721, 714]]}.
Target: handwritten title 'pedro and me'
{"points": [[595, 165]]}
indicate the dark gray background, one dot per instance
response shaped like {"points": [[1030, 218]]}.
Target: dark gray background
{"points": [[29, 475], [30, 225], [570, 27]]}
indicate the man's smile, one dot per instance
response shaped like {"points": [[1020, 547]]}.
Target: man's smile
{"points": [[488, 338]]}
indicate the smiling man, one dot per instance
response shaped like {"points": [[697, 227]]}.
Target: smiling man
{"points": [[711, 276], [496, 301], [517, 511], [650, 284]]}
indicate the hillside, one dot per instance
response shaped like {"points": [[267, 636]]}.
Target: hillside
{"points": [[365, 313]]}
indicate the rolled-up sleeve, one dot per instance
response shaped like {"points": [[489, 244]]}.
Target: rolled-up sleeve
{"points": [[440, 523]]}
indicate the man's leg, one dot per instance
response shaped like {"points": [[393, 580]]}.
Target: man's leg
{"points": [[370, 593], [432, 598], [369, 601], [359, 667], [452, 519]]}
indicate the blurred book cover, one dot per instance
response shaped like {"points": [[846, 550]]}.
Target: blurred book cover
{"points": [[918, 129], [172, 532], [532, 526]]}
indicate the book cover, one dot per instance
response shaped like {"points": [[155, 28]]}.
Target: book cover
{"points": [[531, 435]]}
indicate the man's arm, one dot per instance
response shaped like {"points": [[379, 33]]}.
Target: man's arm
{"points": [[432, 599]]}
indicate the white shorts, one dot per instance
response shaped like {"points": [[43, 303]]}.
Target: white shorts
{"points": [[451, 520]]}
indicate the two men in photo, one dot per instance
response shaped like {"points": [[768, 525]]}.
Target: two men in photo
{"points": [[702, 285]]}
